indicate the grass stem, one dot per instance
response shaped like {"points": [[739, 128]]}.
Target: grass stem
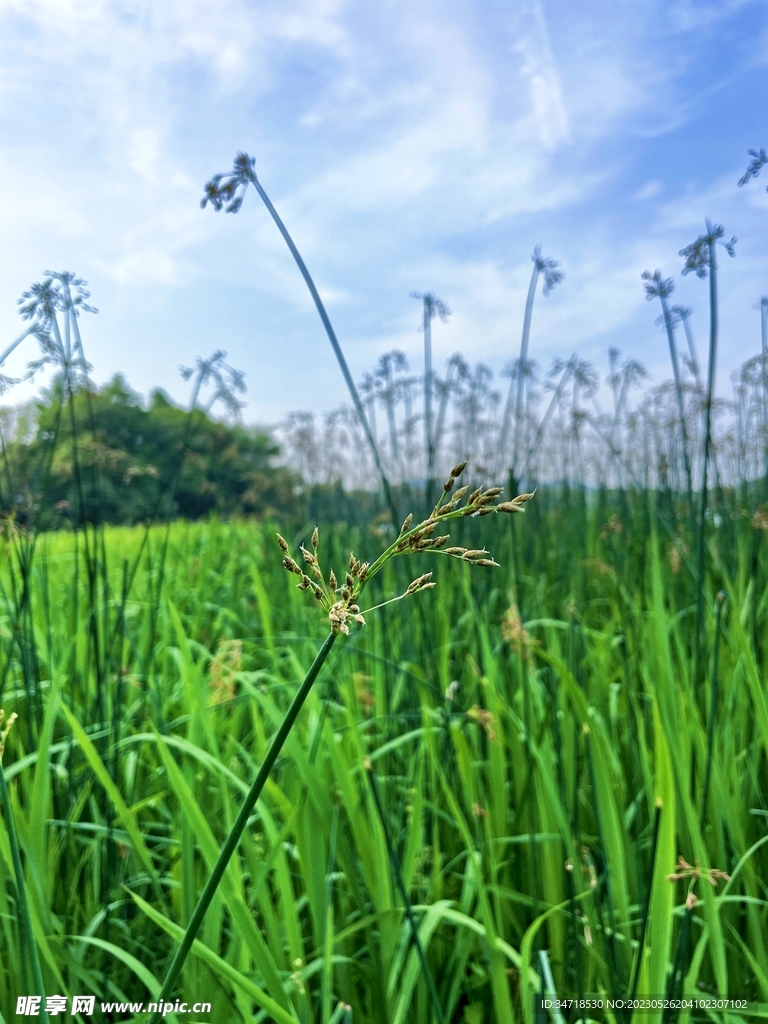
{"points": [[238, 827]]}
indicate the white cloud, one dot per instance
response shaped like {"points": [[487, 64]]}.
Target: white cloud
{"points": [[413, 145]]}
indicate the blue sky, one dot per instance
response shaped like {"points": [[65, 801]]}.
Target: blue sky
{"points": [[408, 147]]}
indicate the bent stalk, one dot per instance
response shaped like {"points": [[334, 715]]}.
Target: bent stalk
{"points": [[240, 823]]}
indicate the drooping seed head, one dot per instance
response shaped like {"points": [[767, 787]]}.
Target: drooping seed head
{"points": [[419, 584], [291, 566], [509, 506]]}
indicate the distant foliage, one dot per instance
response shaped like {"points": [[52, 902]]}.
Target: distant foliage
{"points": [[137, 461]]}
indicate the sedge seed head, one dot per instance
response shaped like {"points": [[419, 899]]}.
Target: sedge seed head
{"points": [[459, 469], [282, 542], [419, 584], [315, 538], [407, 524], [448, 485]]}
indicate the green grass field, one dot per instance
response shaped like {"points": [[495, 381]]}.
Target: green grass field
{"points": [[540, 750]]}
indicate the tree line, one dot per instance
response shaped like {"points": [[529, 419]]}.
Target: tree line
{"points": [[108, 456]]}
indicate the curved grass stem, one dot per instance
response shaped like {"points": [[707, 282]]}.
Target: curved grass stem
{"points": [[238, 827], [36, 974]]}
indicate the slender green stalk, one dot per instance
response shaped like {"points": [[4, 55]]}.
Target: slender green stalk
{"points": [[520, 375], [434, 997], [701, 549], [646, 903], [671, 1015], [700, 257], [239, 824], [714, 692], [32, 956], [656, 286], [552, 277], [245, 174]]}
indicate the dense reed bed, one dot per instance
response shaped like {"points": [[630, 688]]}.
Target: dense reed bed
{"points": [[512, 762]]}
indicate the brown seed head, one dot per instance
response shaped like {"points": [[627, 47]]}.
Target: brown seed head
{"points": [[459, 469], [407, 524], [315, 538], [455, 551], [282, 542], [291, 566], [332, 581], [419, 584], [509, 506], [448, 485]]}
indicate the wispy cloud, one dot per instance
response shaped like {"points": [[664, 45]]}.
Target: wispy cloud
{"points": [[406, 146]]}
